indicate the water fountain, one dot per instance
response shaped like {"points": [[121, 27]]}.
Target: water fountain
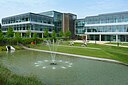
{"points": [[54, 63], [52, 47]]}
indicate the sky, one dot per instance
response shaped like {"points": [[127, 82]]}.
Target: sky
{"points": [[81, 8]]}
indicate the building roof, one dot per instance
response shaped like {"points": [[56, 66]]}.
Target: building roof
{"points": [[109, 14], [26, 14]]}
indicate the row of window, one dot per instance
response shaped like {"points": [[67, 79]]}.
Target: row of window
{"points": [[106, 19], [107, 29], [27, 27], [30, 17], [123, 38], [103, 29]]}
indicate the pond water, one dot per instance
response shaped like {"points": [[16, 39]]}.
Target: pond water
{"points": [[68, 71]]}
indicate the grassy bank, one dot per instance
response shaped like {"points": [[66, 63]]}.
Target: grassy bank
{"points": [[103, 51], [9, 78], [3, 48]]}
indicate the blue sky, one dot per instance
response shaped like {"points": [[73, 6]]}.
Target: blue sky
{"points": [[80, 7]]}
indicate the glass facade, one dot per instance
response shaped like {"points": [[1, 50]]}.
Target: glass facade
{"points": [[28, 17], [28, 21], [57, 19], [80, 23], [118, 28], [121, 38], [32, 27], [104, 27], [108, 18]]}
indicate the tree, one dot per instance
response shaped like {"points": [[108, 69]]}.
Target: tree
{"points": [[61, 34], [18, 37], [28, 33], [10, 32], [0, 26], [35, 36], [46, 34], [67, 34], [53, 34], [1, 35]]}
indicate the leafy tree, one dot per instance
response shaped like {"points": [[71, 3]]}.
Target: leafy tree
{"points": [[18, 37], [10, 32], [28, 33], [1, 35], [35, 36], [0, 26], [67, 34], [53, 34], [46, 34], [61, 34]]}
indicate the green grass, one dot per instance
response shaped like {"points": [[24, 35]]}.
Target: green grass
{"points": [[118, 53], [9, 78], [3, 48], [109, 52]]}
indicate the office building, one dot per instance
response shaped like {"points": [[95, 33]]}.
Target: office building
{"points": [[104, 27], [28, 22], [63, 21], [33, 22], [69, 23], [57, 19]]}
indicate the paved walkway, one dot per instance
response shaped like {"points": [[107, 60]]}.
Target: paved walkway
{"points": [[116, 45], [80, 56], [81, 47], [101, 42]]}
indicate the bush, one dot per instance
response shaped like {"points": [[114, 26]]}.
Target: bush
{"points": [[27, 41], [10, 41], [14, 41]]}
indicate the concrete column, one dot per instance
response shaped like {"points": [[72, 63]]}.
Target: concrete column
{"points": [[116, 38], [30, 35], [14, 34], [86, 38], [21, 35], [100, 37], [42, 35], [125, 38]]}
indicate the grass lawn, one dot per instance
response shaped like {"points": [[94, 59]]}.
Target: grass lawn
{"points": [[3, 48], [103, 51]]}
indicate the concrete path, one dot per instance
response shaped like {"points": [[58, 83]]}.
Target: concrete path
{"points": [[80, 56], [81, 47], [116, 45]]}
